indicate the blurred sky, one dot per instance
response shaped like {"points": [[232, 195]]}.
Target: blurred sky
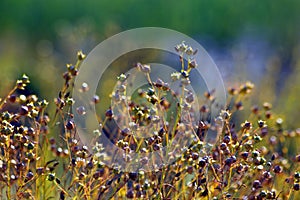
{"points": [[255, 40]]}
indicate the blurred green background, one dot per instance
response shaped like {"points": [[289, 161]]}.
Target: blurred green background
{"points": [[249, 40]]}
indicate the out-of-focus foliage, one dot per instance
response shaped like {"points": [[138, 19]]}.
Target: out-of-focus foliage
{"points": [[219, 19]]}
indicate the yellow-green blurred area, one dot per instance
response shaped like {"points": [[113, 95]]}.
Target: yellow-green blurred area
{"points": [[249, 40]]}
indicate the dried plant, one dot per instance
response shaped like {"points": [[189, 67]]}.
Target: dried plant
{"points": [[248, 161]]}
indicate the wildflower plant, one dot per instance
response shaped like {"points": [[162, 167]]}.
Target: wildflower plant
{"points": [[163, 149]]}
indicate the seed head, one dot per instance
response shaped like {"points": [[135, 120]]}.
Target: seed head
{"points": [[51, 177], [261, 123], [80, 55], [25, 79], [192, 64], [189, 51], [256, 184], [70, 125], [296, 186], [277, 169], [175, 76], [143, 68]]}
